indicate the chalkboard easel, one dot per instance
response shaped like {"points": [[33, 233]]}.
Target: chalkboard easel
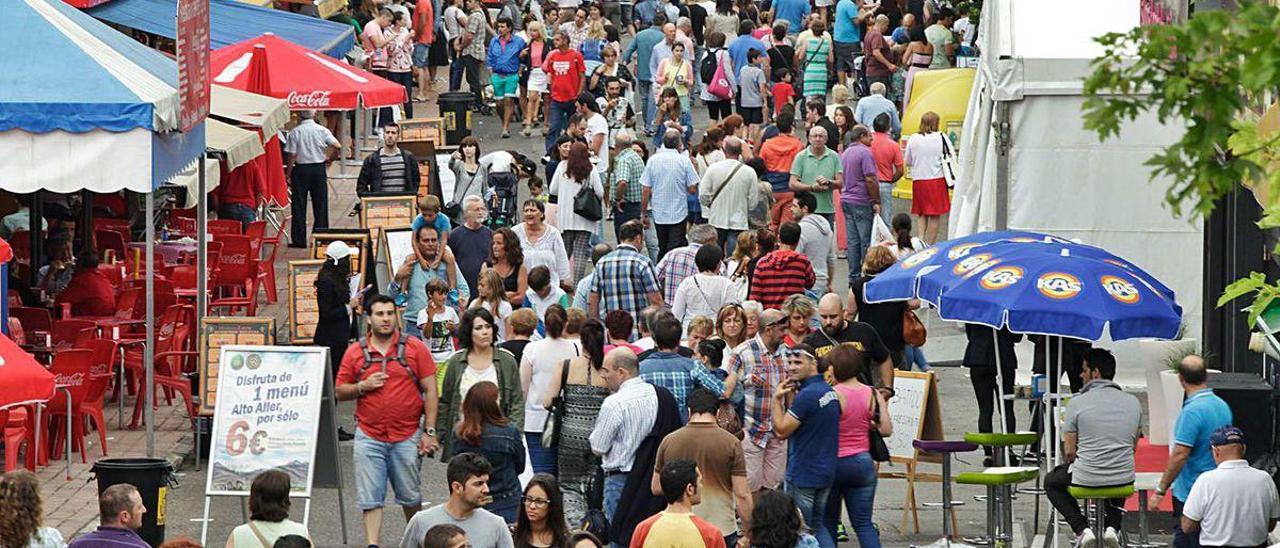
{"points": [[917, 415]]}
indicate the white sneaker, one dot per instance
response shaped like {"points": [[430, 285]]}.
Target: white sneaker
{"points": [[1086, 539], [1110, 539]]}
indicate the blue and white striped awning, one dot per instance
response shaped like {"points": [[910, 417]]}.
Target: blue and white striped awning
{"points": [[84, 106]]}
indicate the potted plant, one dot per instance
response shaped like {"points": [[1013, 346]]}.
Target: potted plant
{"points": [[1160, 360]]}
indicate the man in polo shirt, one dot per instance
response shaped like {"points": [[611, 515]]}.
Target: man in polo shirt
{"points": [[1232, 505], [816, 170], [1203, 412], [718, 455], [783, 272], [1100, 434], [626, 417], [388, 374], [760, 370], [859, 197], [121, 510], [310, 147], [811, 426], [889, 165], [389, 169]]}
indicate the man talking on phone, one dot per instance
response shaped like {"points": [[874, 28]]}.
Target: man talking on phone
{"points": [[382, 372]]}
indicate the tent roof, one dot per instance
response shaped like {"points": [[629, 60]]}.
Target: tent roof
{"points": [[239, 146], [268, 113], [67, 71], [1026, 53], [231, 21]]}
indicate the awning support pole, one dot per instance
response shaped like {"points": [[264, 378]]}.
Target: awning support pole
{"points": [[148, 351]]}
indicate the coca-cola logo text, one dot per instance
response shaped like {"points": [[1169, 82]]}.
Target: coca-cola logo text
{"points": [[315, 99]]}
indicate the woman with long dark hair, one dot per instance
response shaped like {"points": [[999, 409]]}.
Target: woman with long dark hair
{"points": [[671, 115], [335, 303], [584, 391], [465, 163], [572, 174], [776, 523], [855, 483], [507, 257], [477, 361], [541, 522], [484, 429], [844, 122]]}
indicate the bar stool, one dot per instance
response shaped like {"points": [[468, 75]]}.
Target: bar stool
{"points": [[999, 481], [945, 448], [1145, 482], [1097, 498]]}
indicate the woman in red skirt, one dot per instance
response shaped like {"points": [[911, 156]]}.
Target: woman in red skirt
{"points": [[929, 197]]}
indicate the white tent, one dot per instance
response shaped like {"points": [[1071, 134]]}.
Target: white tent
{"points": [[1050, 174]]}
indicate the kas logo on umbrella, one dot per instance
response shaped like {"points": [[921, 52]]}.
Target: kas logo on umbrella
{"points": [[970, 263], [1001, 277], [1120, 290], [1058, 285]]}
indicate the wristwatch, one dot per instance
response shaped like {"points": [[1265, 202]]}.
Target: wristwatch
{"points": [[431, 432]]}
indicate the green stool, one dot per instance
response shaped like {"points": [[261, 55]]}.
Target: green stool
{"points": [[999, 481], [1097, 497]]}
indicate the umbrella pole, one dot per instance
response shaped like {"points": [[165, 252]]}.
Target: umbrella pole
{"points": [[355, 147], [148, 350], [1004, 427], [202, 276]]}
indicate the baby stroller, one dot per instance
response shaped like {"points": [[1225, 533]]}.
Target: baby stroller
{"points": [[503, 191]]}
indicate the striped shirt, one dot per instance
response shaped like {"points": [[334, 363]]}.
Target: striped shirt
{"points": [[759, 373], [623, 280], [625, 419], [680, 375], [779, 275], [674, 267], [393, 172]]}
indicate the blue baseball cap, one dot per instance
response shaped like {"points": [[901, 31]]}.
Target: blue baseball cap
{"points": [[1227, 435]]}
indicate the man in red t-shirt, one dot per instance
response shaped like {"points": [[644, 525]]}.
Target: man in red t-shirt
{"points": [[888, 157], [89, 292], [567, 71], [388, 374], [424, 33]]}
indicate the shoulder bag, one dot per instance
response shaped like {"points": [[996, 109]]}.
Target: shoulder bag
{"points": [[586, 204], [724, 184], [879, 449], [913, 331], [719, 84], [551, 428], [948, 161]]}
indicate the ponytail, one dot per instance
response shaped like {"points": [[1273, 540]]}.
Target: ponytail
{"points": [[902, 231], [904, 238]]}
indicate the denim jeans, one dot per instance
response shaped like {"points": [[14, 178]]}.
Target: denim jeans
{"points": [[855, 487], [1180, 538], [455, 69], [560, 113], [377, 462], [857, 232], [405, 79], [813, 507], [644, 95], [628, 211], [541, 459], [651, 242], [727, 240], [915, 355], [239, 212], [886, 202], [613, 484]]}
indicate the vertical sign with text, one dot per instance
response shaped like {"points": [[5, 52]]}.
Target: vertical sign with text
{"points": [[193, 62]]}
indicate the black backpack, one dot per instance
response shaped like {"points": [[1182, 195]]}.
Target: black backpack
{"points": [[369, 361], [708, 68]]}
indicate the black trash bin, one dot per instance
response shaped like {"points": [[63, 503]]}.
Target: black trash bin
{"points": [[152, 477], [455, 108]]}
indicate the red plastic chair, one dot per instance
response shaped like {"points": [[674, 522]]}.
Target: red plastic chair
{"points": [[175, 339], [110, 240], [72, 332], [267, 273], [72, 368], [16, 434], [101, 374], [225, 226], [236, 281], [257, 232], [33, 319], [185, 226]]}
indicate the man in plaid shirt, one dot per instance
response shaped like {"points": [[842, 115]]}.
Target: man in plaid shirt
{"points": [[624, 278], [668, 369], [759, 366], [624, 181], [678, 264]]}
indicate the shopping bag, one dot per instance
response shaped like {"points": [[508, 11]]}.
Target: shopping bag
{"points": [[880, 233]]}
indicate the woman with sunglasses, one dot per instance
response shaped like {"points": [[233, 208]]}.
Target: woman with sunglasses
{"points": [[541, 522]]}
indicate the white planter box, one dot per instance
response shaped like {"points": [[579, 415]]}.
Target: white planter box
{"points": [[1164, 393]]}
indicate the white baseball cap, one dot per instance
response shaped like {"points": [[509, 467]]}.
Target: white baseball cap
{"points": [[337, 251]]}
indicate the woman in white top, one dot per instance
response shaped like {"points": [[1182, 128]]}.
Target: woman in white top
{"points": [[571, 175], [22, 512], [492, 298], [709, 150], [701, 294], [537, 366], [543, 244], [929, 198], [268, 513]]}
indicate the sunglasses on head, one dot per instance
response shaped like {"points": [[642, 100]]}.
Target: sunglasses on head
{"points": [[796, 352]]}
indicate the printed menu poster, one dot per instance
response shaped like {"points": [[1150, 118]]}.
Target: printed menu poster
{"points": [[304, 312], [381, 212], [267, 416], [216, 333]]}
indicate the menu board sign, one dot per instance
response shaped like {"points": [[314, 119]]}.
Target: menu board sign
{"points": [[379, 212], [216, 333], [304, 312]]}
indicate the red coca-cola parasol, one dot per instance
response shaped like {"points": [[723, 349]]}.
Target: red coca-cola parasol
{"points": [[22, 379], [272, 66]]}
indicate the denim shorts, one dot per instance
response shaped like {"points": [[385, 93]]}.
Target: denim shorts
{"points": [[420, 55], [377, 462]]}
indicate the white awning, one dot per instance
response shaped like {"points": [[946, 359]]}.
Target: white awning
{"points": [[239, 145], [268, 113], [189, 179]]}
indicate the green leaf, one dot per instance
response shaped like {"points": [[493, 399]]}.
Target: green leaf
{"points": [[1242, 287]]}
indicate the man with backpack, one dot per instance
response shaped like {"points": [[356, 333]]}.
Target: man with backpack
{"points": [[383, 372]]}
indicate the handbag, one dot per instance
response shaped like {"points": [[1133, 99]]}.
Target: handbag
{"points": [[913, 331], [587, 205], [739, 286], [879, 449], [551, 428], [719, 85], [948, 161]]}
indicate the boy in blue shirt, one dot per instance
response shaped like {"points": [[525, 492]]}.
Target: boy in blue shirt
{"points": [[429, 213]]}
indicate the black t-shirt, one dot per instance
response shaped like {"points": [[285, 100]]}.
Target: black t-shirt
{"points": [[698, 19], [886, 318], [515, 347], [863, 336]]}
